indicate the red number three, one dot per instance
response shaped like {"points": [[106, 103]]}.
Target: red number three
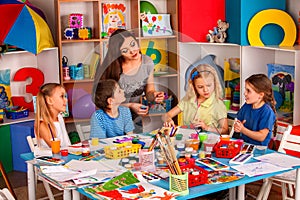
{"points": [[37, 78]]}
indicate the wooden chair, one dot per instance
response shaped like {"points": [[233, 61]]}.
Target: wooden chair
{"points": [[287, 180], [5, 194], [6, 180], [32, 142]]}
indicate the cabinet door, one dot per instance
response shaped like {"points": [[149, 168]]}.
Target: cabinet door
{"points": [[5, 148]]}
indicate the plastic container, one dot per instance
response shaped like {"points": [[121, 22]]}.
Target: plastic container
{"points": [[228, 149], [209, 145], [162, 107], [15, 112], [121, 150], [179, 184], [195, 179]]}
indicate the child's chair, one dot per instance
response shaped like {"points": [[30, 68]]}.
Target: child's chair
{"points": [[6, 194], [6, 180], [83, 131], [32, 142], [289, 144]]}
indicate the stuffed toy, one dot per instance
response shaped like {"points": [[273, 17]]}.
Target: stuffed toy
{"points": [[218, 35]]}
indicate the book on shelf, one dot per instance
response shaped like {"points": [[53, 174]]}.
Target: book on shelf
{"points": [[114, 17], [282, 77], [95, 58]]}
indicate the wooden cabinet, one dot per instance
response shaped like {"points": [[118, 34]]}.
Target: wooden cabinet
{"points": [[80, 51]]}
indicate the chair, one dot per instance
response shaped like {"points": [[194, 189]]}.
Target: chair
{"points": [[6, 194], [287, 180], [32, 142], [83, 131], [6, 180]]}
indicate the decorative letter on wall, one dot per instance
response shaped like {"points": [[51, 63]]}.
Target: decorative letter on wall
{"points": [[37, 78], [272, 16]]}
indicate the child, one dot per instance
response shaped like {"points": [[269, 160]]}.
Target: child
{"points": [[111, 119], [201, 105], [257, 116], [51, 101]]}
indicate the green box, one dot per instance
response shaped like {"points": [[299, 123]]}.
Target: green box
{"points": [[5, 148]]}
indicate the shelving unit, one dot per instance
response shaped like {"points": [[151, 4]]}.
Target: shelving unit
{"points": [[79, 51]]}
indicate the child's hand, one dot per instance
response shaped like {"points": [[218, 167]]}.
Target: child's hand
{"points": [[238, 126], [169, 123], [140, 109], [200, 123], [159, 96]]}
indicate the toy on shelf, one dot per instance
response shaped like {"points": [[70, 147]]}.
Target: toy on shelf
{"points": [[218, 35], [75, 29]]}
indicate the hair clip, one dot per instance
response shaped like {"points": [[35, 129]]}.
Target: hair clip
{"points": [[194, 74]]}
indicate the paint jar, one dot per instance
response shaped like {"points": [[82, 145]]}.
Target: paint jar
{"points": [[180, 146], [85, 148]]}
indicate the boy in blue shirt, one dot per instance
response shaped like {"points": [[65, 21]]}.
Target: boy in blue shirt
{"points": [[111, 119]]}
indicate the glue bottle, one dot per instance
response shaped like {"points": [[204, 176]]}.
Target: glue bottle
{"points": [[66, 72]]}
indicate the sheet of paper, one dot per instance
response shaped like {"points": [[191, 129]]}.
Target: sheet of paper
{"points": [[104, 165], [280, 159], [61, 173], [258, 168]]}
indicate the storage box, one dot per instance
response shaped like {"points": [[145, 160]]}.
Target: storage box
{"points": [[196, 174], [19, 144], [121, 150], [15, 112], [228, 149], [162, 107]]}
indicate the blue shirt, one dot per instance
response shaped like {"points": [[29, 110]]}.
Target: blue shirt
{"points": [[257, 119], [104, 126]]}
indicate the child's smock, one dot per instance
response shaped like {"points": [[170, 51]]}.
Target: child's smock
{"points": [[104, 126], [257, 119], [61, 133], [210, 111]]}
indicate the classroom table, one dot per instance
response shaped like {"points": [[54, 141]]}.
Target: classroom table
{"points": [[196, 191]]}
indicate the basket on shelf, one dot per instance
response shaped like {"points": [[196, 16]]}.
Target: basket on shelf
{"points": [[16, 112], [122, 150], [228, 149]]}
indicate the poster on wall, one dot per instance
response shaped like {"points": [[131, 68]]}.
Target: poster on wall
{"points": [[5, 94], [282, 77], [157, 50], [113, 18]]}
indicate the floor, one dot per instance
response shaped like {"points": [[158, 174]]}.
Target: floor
{"points": [[19, 183]]}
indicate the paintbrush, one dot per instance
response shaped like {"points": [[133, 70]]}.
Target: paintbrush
{"points": [[217, 130]]}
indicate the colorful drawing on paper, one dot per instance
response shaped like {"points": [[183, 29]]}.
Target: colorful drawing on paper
{"points": [[5, 93], [141, 190], [223, 176], [156, 24], [282, 77], [157, 50], [114, 17]]}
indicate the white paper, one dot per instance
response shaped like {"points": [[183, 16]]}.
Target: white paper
{"points": [[258, 168], [280, 159]]}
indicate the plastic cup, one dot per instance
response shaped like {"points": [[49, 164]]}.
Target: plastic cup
{"points": [[227, 103], [209, 145], [260, 150], [95, 141], [202, 137], [55, 146]]}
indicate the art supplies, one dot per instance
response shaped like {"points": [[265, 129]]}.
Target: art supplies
{"points": [[241, 158], [248, 148], [168, 152], [50, 160], [212, 163], [223, 176]]}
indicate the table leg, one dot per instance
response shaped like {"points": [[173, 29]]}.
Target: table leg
{"points": [[31, 181], [76, 195], [297, 185], [67, 195], [232, 193], [241, 192]]}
